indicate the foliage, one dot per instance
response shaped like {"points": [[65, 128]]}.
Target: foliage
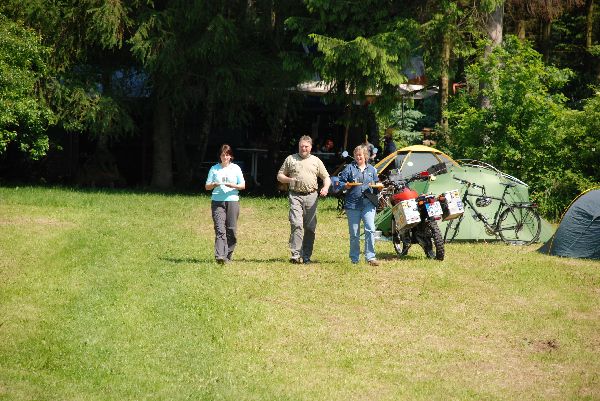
{"points": [[579, 153], [403, 120], [524, 132], [361, 48], [84, 37], [24, 115], [84, 106], [222, 52]]}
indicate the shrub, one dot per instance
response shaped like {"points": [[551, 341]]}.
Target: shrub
{"points": [[527, 131]]}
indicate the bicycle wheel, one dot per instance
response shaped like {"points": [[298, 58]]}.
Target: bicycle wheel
{"points": [[519, 225], [452, 229], [401, 241]]}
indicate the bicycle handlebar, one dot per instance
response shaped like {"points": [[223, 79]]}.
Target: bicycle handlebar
{"points": [[468, 183]]}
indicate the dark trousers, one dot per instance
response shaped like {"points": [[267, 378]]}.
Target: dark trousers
{"points": [[225, 216]]}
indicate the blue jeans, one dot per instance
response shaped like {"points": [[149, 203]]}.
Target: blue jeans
{"points": [[367, 215]]}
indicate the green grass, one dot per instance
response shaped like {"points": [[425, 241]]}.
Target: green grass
{"points": [[115, 295]]}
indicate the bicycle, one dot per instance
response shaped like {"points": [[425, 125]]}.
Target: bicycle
{"points": [[516, 223]]}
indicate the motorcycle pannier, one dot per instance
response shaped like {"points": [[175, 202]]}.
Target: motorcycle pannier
{"points": [[452, 205], [406, 214]]}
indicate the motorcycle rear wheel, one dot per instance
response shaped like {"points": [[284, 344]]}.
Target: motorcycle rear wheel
{"points": [[432, 241]]}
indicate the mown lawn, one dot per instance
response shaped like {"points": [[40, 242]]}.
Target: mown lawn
{"points": [[115, 296]]}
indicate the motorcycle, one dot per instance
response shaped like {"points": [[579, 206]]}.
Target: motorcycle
{"points": [[411, 218]]}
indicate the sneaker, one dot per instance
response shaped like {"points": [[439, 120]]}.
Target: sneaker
{"points": [[221, 261], [296, 261], [373, 262]]}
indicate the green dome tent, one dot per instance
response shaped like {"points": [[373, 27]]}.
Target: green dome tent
{"points": [[413, 159], [578, 235]]}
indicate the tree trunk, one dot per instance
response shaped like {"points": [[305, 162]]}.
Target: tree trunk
{"points": [[182, 161], [206, 125], [444, 81], [162, 166], [521, 29], [589, 29], [493, 25], [546, 31], [274, 156]]}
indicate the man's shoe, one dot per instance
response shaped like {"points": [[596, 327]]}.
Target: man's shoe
{"points": [[296, 261], [307, 261], [221, 261], [373, 262]]}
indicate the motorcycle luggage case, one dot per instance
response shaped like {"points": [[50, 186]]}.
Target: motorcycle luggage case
{"points": [[452, 205], [406, 214]]}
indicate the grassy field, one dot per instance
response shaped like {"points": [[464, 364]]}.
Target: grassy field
{"points": [[115, 296]]}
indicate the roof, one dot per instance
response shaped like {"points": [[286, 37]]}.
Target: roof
{"points": [[413, 91]]}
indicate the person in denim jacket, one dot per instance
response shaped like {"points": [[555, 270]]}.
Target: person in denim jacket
{"points": [[359, 177]]}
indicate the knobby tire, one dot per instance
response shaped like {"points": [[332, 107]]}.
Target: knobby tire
{"points": [[437, 242], [401, 243]]}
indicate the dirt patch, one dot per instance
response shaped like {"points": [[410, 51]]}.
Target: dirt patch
{"points": [[543, 345]]}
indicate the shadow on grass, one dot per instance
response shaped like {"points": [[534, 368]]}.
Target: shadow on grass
{"points": [[393, 256], [236, 259], [186, 260]]}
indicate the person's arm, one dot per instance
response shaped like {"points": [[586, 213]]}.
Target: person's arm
{"points": [[325, 177], [211, 181], [326, 185], [281, 177], [239, 187], [344, 177], [209, 186], [284, 178]]}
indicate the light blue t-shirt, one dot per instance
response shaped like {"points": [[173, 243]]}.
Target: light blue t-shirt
{"points": [[231, 173]]}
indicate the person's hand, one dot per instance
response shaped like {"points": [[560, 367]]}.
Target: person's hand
{"points": [[323, 191]]}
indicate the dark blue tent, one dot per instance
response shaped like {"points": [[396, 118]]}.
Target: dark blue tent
{"points": [[578, 235]]}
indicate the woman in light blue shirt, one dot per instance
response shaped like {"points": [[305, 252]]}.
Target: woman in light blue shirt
{"points": [[225, 180]]}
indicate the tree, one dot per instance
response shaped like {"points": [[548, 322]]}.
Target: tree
{"points": [[86, 39], [24, 114], [216, 59], [361, 50], [529, 132]]}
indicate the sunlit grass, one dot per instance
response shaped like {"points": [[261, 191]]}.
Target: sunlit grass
{"points": [[115, 295]]}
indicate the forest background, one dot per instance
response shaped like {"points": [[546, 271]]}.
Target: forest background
{"points": [[519, 81]]}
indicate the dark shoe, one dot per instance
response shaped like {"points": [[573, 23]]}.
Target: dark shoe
{"points": [[373, 262], [221, 261], [307, 261], [296, 261]]}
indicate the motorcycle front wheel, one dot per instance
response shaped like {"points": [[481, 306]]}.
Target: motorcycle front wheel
{"points": [[400, 240]]}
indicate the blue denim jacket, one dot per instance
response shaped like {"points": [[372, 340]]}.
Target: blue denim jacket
{"points": [[354, 195]]}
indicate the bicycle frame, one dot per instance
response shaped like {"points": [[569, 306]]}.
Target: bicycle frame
{"points": [[493, 227], [516, 223]]}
